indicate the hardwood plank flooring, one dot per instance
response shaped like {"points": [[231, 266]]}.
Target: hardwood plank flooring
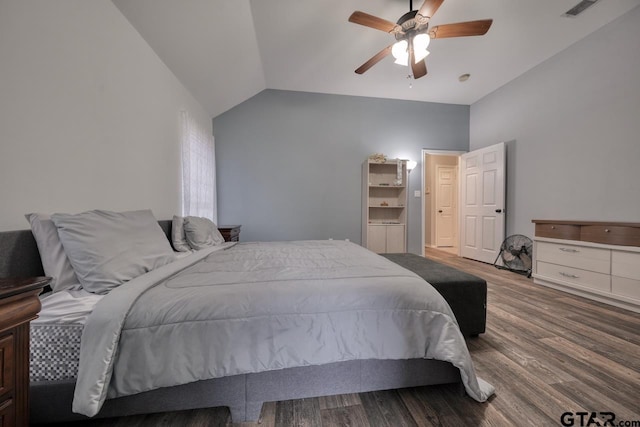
{"points": [[545, 351]]}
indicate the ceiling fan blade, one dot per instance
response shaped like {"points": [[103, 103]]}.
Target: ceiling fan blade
{"points": [[374, 60], [461, 29], [429, 8], [371, 21], [418, 70]]}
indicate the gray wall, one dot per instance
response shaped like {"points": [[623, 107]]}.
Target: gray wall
{"points": [[288, 164], [573, 126]]}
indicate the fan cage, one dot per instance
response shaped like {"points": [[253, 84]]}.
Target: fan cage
{"points": [[516, 253]]}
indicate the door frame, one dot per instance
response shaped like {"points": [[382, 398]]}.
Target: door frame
{"points": [[433, 152]]}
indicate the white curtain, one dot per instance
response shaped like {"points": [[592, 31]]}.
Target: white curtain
{"points": [[198, 170]]}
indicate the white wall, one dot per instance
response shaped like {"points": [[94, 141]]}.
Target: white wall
{"points": [[573, 126], [226, 68], [89, 115]]}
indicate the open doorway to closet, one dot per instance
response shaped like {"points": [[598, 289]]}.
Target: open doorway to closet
{"points": [[440, 211]]}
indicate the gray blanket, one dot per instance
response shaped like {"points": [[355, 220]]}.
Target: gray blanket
{"points": [[262, 306]]}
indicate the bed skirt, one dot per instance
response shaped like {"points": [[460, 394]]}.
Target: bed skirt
{"points": [[50, 401]]}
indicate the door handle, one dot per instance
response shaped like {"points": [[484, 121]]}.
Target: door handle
{"points": [[498, 210]]}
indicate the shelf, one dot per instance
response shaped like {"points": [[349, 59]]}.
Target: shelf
{"points": [[384, 202], [389, 162]]}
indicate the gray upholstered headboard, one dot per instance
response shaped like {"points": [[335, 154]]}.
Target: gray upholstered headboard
{"points": [[19, 256]]}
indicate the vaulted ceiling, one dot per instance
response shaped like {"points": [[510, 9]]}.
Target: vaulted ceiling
{"points": [[226, 51]]}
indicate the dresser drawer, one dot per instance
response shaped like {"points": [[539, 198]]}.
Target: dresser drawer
{"points": [[611, 234], [7, 375], [625, 264], [625, 287], [558, 231], [576, 276], [592, 259]]}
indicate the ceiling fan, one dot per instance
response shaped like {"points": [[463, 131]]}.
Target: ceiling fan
{"points": [[413, 35]]}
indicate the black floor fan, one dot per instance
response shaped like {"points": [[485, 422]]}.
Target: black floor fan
{"points": [[516, 252]]}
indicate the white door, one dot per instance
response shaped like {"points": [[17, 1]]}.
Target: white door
{"points": [[445, 205], [482, 198]]}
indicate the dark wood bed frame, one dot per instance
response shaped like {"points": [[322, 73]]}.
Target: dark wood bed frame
{"points": [[51, 401]]}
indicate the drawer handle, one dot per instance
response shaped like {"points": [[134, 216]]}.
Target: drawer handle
{"points": [[606, 230], [573, 251], [553, 227], [569, 275]]}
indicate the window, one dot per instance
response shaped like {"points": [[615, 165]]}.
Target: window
{"points": [[198, 170]]}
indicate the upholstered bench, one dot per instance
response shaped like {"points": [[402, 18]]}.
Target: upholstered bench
{"points": [[465, 293]]}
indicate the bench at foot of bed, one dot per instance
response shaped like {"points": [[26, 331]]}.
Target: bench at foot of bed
{"points": [[465, 293]]}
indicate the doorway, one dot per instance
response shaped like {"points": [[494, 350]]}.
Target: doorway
{"points": [[440, 210], [464, 214]]}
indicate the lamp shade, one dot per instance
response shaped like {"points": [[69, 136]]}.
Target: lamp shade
{"points": [[400, 49], [400, 52], [420, 44]]}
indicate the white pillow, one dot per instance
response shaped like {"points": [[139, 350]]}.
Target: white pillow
{"points": [[201, 232], [107, 249], [54, 261], [178, 237]]}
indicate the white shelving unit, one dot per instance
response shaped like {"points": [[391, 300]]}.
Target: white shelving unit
{"points": [[384, 206]]}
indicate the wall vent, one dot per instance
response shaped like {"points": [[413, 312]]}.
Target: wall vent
{"points": [[579, 8]]}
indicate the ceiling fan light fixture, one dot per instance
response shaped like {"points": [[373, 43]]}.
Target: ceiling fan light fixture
{"points": [[421, 41], [402, 61], [421, 54], [401, 53], [420, 45]]}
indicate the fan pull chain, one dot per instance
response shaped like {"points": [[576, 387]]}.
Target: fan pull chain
{"points": [[410, 81]]}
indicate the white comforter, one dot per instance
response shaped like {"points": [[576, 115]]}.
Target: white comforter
{"points": [[263, 306]]}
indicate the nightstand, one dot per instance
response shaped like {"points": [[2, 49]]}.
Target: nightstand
{"points": [[19, 304], [231, 233]]}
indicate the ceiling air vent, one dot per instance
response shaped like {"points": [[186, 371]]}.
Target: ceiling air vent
{"points": [[579, 8]]}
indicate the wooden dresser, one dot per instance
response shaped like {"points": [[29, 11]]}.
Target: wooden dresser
{"points": [[19, 304], [597, 260]]}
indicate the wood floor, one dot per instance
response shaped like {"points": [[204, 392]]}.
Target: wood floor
{"points": [[545, 351]]}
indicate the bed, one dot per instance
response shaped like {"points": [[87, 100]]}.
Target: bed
{"points": [[266, 321]]}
